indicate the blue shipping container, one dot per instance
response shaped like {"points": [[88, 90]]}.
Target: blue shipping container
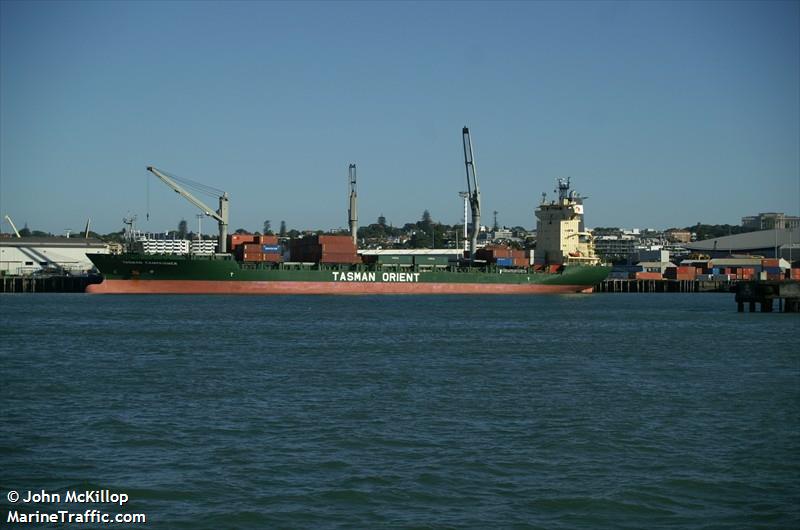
{"points": [[270, 249], [505, 262], [772, 270]]}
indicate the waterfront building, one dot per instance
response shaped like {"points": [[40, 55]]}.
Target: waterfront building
{"points": [[615, 248], [32, 255], [678, 236], [770, 220]]}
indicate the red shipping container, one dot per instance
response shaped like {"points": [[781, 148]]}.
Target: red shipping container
{"points": [[770, 263], [260, 256], [266, 240], [333, 240], [648, 275], [235, 240]]}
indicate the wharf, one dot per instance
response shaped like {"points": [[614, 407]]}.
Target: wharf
{"points": [[663, 286], [766, 292], [47, 284]]}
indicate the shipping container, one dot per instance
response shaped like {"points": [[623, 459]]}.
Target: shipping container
{"points": [[504, 262], [266, 240], [235, 240], [430, 260], [259, 256], [270, 249], [648, 275]]}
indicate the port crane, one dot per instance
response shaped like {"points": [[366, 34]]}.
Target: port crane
{"points": [[473, 192], [221, 215]]}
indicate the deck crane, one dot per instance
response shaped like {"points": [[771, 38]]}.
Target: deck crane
{"points": [[221, 215], [473, 192], [13, 226]]}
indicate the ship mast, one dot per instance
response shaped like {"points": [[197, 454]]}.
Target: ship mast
{"points": [[352, 212], [473, 192]]}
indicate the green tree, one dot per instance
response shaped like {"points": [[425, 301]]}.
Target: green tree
{"points": [[282, 232], [382, 220], [426, 221], [267, 227], [419, 239]]}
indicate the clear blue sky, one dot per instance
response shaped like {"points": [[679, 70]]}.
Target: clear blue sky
{"points": [[664, 114]]}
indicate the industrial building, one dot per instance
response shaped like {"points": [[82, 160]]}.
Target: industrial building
{"points": [[779, 243], [31, 255]]}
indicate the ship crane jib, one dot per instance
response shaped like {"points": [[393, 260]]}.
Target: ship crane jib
{"points": [[221, 215]]}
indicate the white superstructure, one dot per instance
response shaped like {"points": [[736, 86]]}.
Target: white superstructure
{"points": [[560, 234]]}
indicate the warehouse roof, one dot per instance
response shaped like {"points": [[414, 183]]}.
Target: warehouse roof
{"points": [[748, 241], [62, 242]]}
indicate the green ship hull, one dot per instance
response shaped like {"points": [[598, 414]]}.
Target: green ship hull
{"points": [[165, 274]]}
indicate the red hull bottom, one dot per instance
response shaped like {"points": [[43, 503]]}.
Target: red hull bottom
{"points": [[344, 288]]}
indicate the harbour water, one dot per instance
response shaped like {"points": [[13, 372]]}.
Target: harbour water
{"points": [[581, 411]]}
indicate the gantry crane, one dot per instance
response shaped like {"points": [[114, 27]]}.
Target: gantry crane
{"points": [[473, 192], [221, 215]]}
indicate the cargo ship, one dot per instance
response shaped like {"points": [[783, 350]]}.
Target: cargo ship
{"points": [[218, 274], [563, 262], [331, 264]]}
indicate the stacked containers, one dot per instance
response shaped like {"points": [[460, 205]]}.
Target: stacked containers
{"points": [[773, 269], [503, 256], [794, 274], [681, 273], [325, 249], [234, 240], [263, 248], [745, 273]]}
